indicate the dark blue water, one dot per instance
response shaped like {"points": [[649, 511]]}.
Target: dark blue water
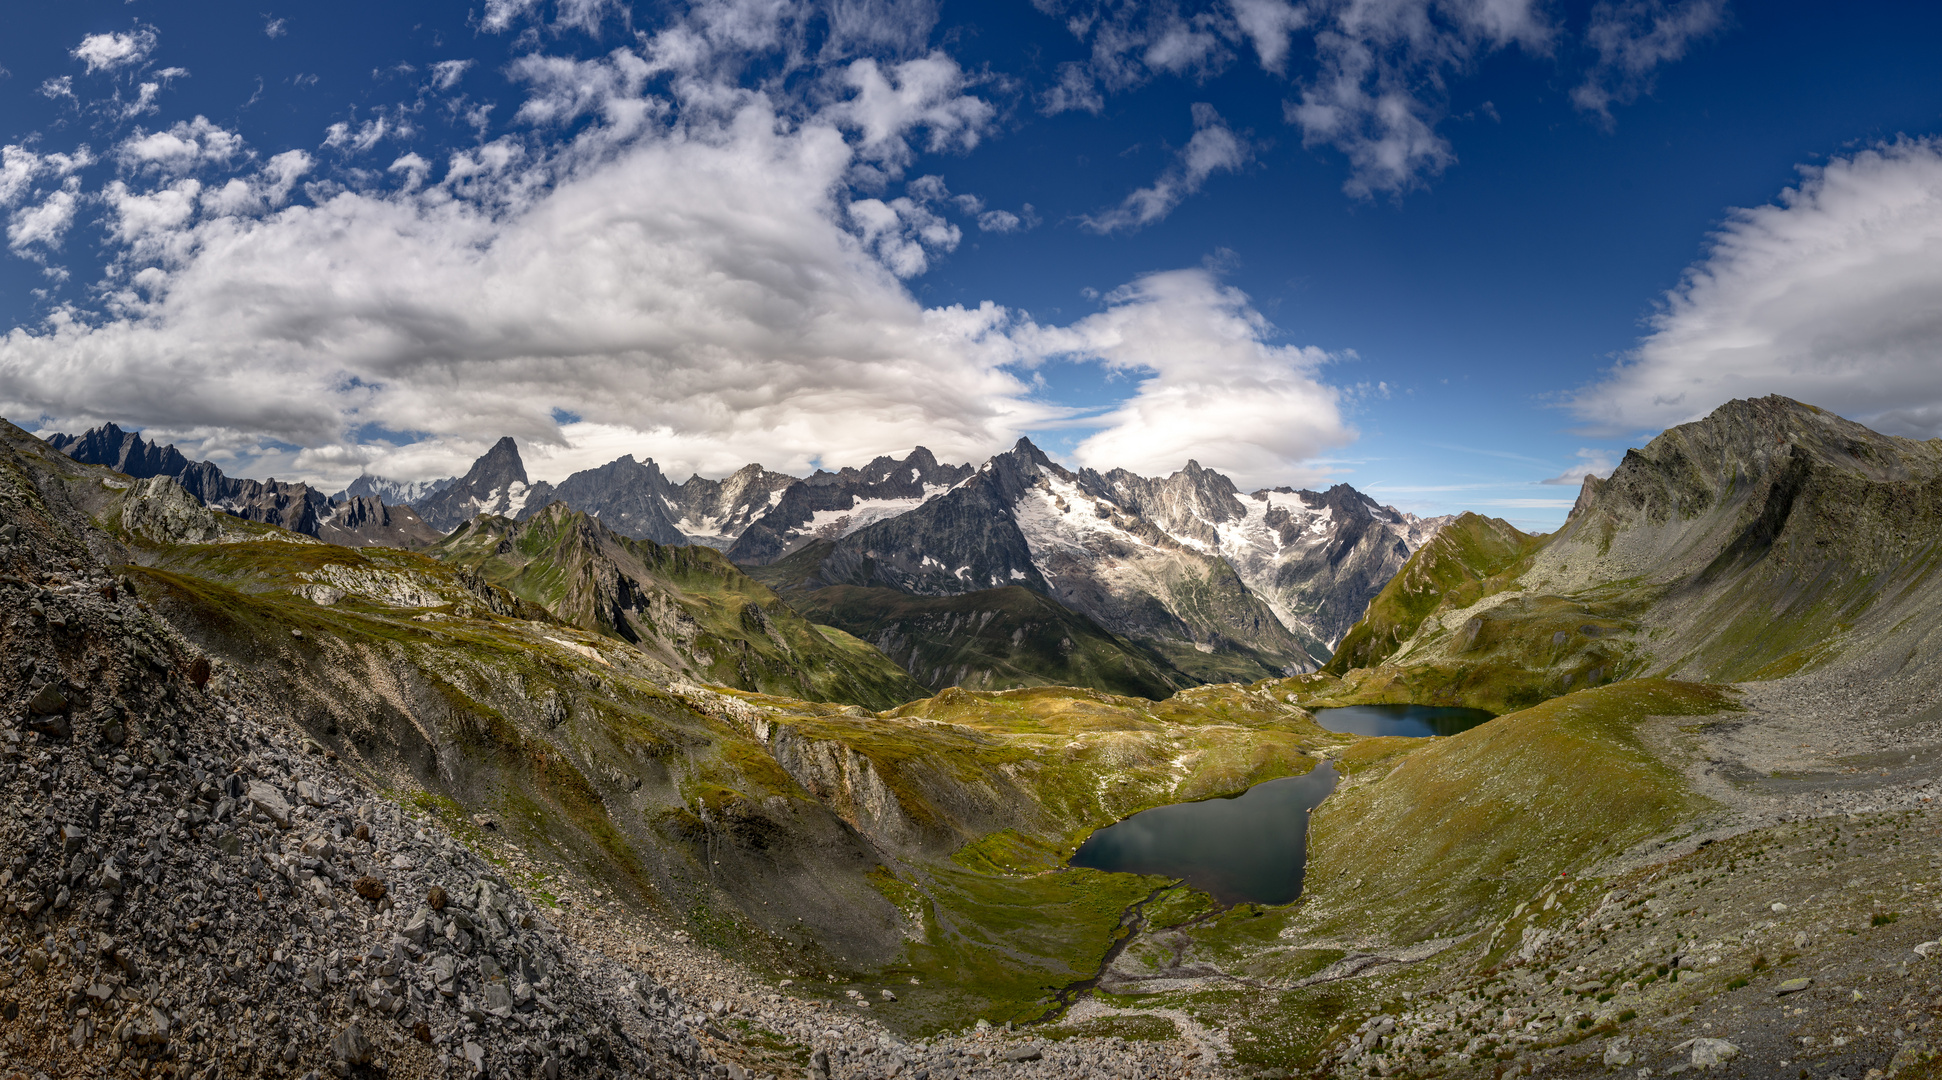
{"points": [[1249, 848], [1415, 721]]}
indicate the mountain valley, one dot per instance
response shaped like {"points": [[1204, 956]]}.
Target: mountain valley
{"points": [[799, 801]]}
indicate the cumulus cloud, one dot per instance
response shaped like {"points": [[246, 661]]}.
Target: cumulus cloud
{"points": [[342, 136], [902, 232], [718, 286], [700, 288], [1000, 221], [1376, 93], [182, 148], [21, 167], [586, 15], [1832, 295], [562, 89], [1213, 148], [46, 223], [888, 105], [114, 51], [1633, 40], [1213, 386], [275, 28], [1599, 463]]}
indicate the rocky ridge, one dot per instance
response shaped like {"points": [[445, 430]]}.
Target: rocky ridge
{"points": [[298, 507], [193, 887], [830, 506], [1215, 585]]}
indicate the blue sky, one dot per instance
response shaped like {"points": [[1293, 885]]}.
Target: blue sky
{"points": [[1403, 244]]}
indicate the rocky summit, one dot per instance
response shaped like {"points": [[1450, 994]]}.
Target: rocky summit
{"points": [[544, 799]]}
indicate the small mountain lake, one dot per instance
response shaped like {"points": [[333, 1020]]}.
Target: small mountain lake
{"points": [[1414, 721], [1246, 848]]}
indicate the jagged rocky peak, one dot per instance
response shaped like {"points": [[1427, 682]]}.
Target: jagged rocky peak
{"points": [[501, 465], [632, 497], [1191, 504], [1348, 502], [123, 451], [496, 484], [829, 506], [293, 506], [715, 513]]}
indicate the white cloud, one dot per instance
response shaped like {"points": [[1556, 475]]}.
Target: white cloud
{"points": [[586, 15], [46, 223], [1212, 386], [699, 287], [20, 167], [342, 136], [1633, 39], [1370, 97], [1268, 25], [57, 88], [1599, 463], [275, 28], [709, 289], [999, 221], [183, 148], [447, 73], [889, 104], [1378, 89], [902, 233], [501, 14], [111, 52], [563, 89], [1213, 148], [1832, 296]]}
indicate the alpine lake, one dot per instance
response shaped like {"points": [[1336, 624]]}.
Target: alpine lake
{"points": [[1252, 848]]}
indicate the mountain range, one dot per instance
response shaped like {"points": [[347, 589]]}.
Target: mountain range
{"points": [[362, 517], [1016, 572], [1706, 786]]}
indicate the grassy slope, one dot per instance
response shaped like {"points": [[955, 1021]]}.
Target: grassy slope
{"points": [[678, 801], [1430, 839], [1429, 843], [689, 606], [1469, 559]]}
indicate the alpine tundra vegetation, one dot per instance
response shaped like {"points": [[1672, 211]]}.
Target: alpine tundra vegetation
{"points": [[543, 796]]}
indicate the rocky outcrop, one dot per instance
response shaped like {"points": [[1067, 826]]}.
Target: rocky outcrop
{"points": [[632, 498], [123, 451], [159, 510], [175, 852]]}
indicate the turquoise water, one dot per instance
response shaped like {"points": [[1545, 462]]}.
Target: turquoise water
{"points": [[1250, 848], [1416, 721]]}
